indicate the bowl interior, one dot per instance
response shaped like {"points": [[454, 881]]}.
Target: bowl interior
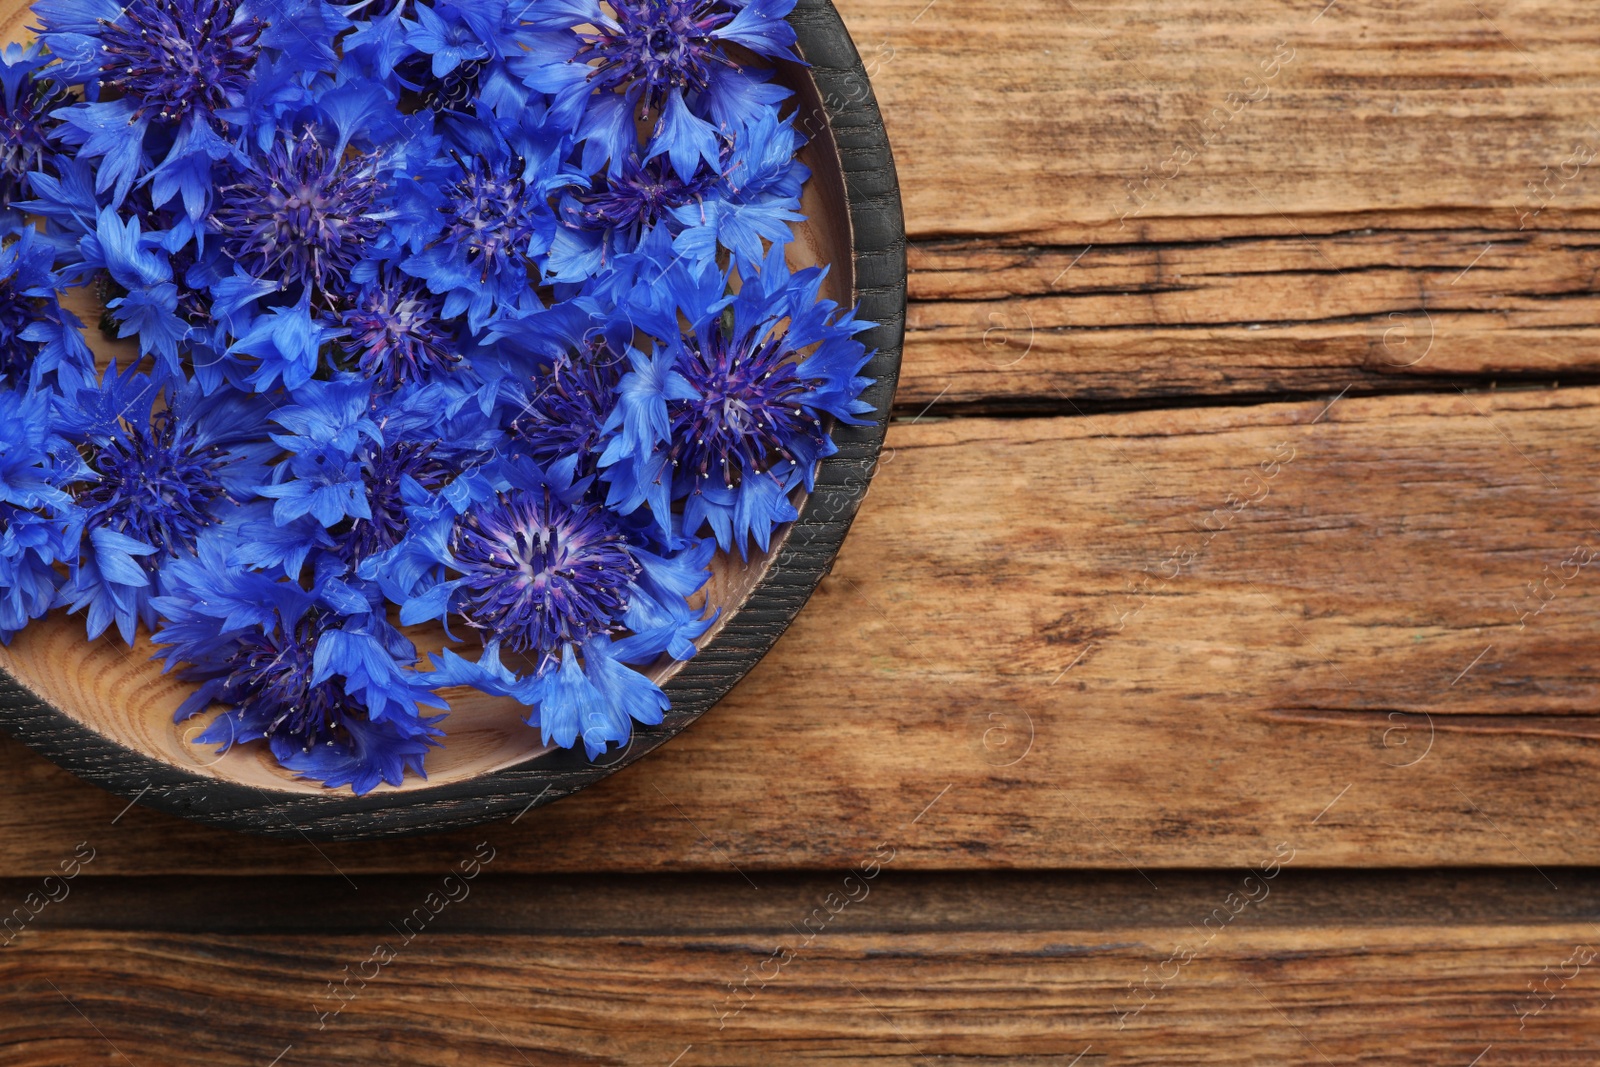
{"points": [[122, 694]]}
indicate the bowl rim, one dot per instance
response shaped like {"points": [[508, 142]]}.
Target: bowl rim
{"points": [[878, 251]]}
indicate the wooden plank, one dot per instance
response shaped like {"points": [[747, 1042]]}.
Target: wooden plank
{"points": [[903, 900], [1026, 971], [1158, 639], [1374, 311], [1022, 124], [1408, 173]]}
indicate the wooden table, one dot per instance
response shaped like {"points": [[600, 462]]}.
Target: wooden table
{"points": [[1210, 677]]}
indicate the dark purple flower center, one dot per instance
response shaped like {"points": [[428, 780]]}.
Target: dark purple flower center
{"points": [[156, 485], [493, 218], [24, 134], [397, 331], [301, 217], [749, 408], [568, 407], [658, 45], [268, 678], [539, 573], [174, 56], [384, 470], [639, 197]]}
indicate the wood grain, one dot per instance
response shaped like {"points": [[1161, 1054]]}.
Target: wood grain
{"points": [[1374, 311], [1321, 236], [1118, 640], [1027, 972], [1354, 664]]}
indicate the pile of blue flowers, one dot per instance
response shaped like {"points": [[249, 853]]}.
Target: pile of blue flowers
{"points": [[471, 313]]}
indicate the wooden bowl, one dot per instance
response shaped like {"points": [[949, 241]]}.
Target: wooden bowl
{"points": [[104, 711]]}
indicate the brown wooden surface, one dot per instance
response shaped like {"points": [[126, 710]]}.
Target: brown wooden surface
{"points": [[954, 970], [1201, 533]]}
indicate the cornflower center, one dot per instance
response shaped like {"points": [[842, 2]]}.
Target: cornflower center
{"points": [[492, 217], [564, 416], [178, 56], [384, 470], [748, 411], [156, 485], [539, 573], [639, 197], [268, 675], [657, 45], [397, 331], [301, 217]]}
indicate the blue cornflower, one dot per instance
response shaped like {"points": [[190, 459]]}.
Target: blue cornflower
{"points": [[495, 226], [546, 572], [398, 331], [218, 301], [26, 101], [173, 58], [159, 474], [755, 201], [454, 34], [66, 203], [263, 545], [308, 32], [187, 172], [40, 526], [379, 36], [172, 67], [614, 214], [667, 59], [141, 271], [360, 111], [635, 458], [302, 217], [637, 198], [316, 673], [271, 104], [747, 409], [286, 344], [360, 466], [395, 476], [763, 369], [355, 469], [156, 483], [567, 405], [539, 572], [458, 62]]}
